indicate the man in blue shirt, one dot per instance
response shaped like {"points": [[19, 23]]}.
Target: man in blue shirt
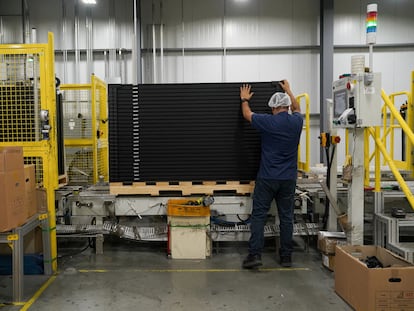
{"points": [[276, 179]]}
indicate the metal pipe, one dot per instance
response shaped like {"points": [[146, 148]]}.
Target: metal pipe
{"points": [[182, 39], [161, 44], [1, 31], [154, 65], [89, 41], [34, 35], [123, 66], [223, 43], [64, 45], [26, 22], [112, 50], [371, 58], [105, 53], [136, 51], [77, 53]]}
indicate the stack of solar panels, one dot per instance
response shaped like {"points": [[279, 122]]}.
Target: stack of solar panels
{"points": [[123, 132], [184, 132]]}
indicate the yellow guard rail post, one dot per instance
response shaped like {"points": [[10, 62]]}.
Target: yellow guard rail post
{"points": [[304, 165]]}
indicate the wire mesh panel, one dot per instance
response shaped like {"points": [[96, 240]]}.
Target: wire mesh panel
{"points": [[77, 114], [85, 131], [102, 158], [79, 165], [38, 163], [19, 98]]}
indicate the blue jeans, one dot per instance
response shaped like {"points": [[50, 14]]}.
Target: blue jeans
{"points": [[283, 191]]}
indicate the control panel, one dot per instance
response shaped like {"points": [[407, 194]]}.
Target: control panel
{"points": [[357, 100]]}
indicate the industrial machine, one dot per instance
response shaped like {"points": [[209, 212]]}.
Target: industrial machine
{"points": [[149, 151]]}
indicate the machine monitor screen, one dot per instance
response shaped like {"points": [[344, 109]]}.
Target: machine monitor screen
{"points": [[340, 103]]}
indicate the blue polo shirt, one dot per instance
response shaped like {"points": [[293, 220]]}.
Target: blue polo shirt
{"points": [[280, 135]]}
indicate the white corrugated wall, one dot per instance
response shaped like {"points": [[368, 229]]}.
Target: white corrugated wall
{"points": [[216, 41]]}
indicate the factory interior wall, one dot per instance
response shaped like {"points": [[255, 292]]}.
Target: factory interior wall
{"points": [[217, 41]]}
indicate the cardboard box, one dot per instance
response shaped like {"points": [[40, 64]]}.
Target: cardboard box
{"points": [[327, 241], [328, 261], [366, 289], [11, 159], [30, 190], [41, 199], [12, 209]]}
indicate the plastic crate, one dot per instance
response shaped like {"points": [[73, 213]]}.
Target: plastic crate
{"points": [[183, 207]]}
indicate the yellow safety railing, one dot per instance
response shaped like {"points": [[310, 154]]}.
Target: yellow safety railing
{"points": [[85, 118], [304, 165], [381, 147], [28, 90], [392, 120], [389, 126], [394, 169]]}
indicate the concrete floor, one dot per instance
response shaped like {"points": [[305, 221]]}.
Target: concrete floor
{"points": [[139, 276]]}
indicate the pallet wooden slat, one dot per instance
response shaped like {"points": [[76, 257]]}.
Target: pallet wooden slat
{"points": [[183, 188]]}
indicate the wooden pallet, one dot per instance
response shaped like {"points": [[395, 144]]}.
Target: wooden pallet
{"points": [[182, 188]]}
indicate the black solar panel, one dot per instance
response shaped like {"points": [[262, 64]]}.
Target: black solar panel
{"points": [[183, 132]]}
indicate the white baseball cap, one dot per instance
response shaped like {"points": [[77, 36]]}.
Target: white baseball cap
{"points": [[279, 99]]}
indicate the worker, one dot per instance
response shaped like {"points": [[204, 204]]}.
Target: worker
{"points": [[276, 178]]}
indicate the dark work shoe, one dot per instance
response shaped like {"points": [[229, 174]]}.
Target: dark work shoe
{"points": [[286, 261], [252, 261]]}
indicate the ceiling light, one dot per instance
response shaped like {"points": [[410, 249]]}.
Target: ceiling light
{"points": [[89, 1]]}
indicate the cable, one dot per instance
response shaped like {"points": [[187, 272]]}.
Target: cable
{"points": [[217, 221], [90, 243], [75, 253]]}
